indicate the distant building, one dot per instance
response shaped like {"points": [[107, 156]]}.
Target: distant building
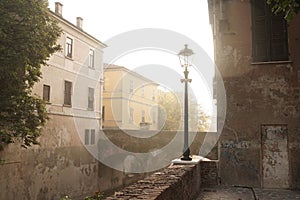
{"points": [[129, 100], [257, 55]]}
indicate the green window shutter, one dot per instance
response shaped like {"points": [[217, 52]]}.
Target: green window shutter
{"points": [[68, 93], [278, 39], [269, 34], [260, 43], [86, 136]]}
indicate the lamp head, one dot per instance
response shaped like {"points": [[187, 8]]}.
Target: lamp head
{"points": [[184, 55]]}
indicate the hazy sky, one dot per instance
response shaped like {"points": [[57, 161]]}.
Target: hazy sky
{"points": [[105, 19]]}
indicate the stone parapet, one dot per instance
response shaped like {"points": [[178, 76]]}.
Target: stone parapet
{"points": [[175, 182]]}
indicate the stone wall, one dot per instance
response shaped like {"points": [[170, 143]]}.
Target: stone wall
{"points": [[209, 173], [137, 140], [257, 94], [175, 182], [62, 165]]}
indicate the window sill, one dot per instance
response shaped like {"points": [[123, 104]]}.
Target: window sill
{"points": [[90, 109], [66, 105], [271, 62], [92, 68], [69, 58], [48, 103]]}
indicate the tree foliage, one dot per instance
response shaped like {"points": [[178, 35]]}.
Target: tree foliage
{"points": [[171, 113], [204, 121], [28, 37], [288, 7]]}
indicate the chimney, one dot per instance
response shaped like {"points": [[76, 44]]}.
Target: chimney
{"points": [[58, 8], [79, 22]]}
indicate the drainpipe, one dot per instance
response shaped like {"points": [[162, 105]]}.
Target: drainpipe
{"points": [[222, 10], [223, 19]]}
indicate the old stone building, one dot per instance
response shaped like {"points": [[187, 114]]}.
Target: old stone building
{"points": [[256, 53], [71, 86]]}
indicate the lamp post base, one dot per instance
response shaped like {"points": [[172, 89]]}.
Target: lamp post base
{"points": [[186, 155], [186, 158], [196, 159]]}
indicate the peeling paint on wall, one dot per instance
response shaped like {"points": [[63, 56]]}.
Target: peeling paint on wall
{"points": [[236, 144], [275, 156]]}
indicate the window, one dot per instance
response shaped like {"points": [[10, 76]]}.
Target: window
{"points": [[86, 136], [131, 86], [143, 116], [131, 115], [153, 117], [46, 93], [269, 34], [89, 139], [91, 58], [103, 113], [69, 47], [153, 95], [104, 83], [92, 136], [91, 99], [143, 90], [68, 93]]}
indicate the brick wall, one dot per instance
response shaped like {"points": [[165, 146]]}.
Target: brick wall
{"points": [[175, 182], [209, 173]]}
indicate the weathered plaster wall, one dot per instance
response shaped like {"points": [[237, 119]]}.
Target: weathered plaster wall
{"points": [[294, 139], [62, 165], [49, 174], [257, 94]]}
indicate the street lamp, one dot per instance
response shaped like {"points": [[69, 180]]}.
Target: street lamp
{"points": [[184, 55]]}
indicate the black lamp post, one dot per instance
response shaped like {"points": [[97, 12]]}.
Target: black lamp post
{"points": [[184, 55]]}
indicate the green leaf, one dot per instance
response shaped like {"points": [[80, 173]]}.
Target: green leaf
{"points": [[28, 38]]}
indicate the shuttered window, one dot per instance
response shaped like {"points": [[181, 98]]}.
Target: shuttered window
{"points": [[89, 137], [91, 99], [143, 116], [46, 93], [86, 136], [153, 117], [92, 136], [69, 47], [131, 115], [91, 58], [68, 93], [269, 34], [131, 86], [103, 113]]}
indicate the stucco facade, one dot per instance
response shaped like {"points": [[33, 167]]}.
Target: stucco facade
{"points": [[129, 100], [83, 73], [259, 144]]}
